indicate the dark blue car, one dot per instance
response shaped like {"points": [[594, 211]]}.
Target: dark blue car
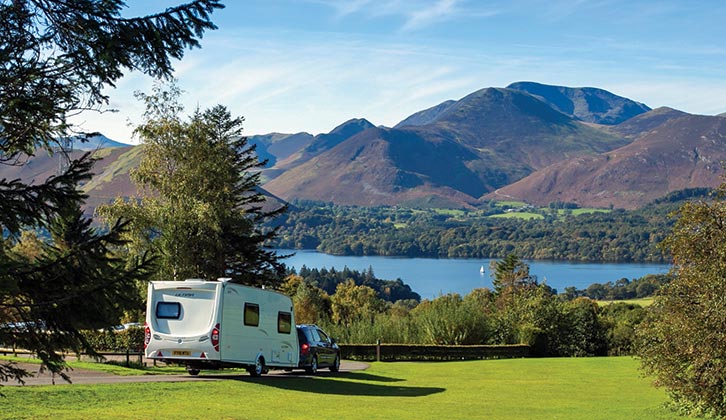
{"points": [[317, 349]]}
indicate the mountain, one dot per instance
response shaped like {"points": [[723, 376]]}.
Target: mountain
{"points": [[94, 142], [643, 123], [276, 146], [484, 141], [557, 144], [426, 116], [324, 142], [383, 166], [585, 103], [682, 152]]}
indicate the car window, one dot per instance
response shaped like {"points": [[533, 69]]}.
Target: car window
{"points": [[313, 334], [301, 336], [323, 336]]}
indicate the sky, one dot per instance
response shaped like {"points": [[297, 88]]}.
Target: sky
{"points": [[289, 66]]}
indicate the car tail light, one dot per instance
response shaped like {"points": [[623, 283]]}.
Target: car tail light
{"points": [[305, 348], [215, 337], [147, 335]]}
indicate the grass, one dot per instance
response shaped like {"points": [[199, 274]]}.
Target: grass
{"points": [[577, 212], [647, 301], [518, 215], [567, 388]]}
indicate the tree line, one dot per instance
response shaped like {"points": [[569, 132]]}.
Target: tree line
{"points": [[615, 236], [517, 311]]}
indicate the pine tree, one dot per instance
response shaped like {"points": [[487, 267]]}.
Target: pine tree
{"points": [[56, 57]]}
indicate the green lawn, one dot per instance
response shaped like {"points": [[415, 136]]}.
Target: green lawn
{"points": [[567, 388]]}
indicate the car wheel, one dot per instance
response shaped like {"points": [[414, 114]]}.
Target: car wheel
{"points": [[259, 368], [313, 368], [336, 364]]}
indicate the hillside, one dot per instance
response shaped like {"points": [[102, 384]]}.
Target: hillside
{"points": [[277, 146], [533, 142], [681, 152], [584, 103], [484, 141], [323, 142]]}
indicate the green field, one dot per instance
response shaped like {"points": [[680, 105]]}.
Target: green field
{"points": [[566, 388], [647, 301]]}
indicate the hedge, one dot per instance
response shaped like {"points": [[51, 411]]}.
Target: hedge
{"points": [[413, 352]]}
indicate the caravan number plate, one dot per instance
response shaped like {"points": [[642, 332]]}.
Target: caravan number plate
{"points": [[181, 353]]}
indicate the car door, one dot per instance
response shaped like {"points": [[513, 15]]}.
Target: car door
{"points": [[326, 349]]}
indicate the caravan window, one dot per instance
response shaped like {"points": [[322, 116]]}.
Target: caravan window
{"points": [[284, 322], [168, 310], [252, 314]]}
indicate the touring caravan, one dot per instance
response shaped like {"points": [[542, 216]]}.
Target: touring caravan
{"points": [[216, 324]]}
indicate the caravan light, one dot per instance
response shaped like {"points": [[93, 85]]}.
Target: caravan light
{"points": [[147, 335], [215, 337]]}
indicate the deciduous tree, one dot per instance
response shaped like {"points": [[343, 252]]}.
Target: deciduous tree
{"points": [[683, 340], [201, 211]]}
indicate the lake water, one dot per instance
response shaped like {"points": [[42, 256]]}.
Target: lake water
{"points": [[430, 277]]}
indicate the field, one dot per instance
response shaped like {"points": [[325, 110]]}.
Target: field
{"points": [[567, 388], [647, 301]]}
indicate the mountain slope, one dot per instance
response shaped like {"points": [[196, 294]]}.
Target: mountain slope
{"points": [[426, 116], [484, 141], [323, 142], [586, 104], [682, 152], [384, 166], [277, 146]]}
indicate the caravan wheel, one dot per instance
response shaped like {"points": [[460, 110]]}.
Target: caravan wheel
{"points": [[259, 368], [192, 371]]}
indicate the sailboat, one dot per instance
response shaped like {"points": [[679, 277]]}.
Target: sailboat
{"points": [[481, 270]]}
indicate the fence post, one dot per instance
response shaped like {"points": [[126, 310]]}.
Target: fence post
{"points": [[378, 350], [128, 362]]}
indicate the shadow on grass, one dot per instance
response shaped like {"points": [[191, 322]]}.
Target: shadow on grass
{"points": [[324, 384]]}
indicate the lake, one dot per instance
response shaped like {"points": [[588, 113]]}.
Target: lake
{"points": [[431, 277]]}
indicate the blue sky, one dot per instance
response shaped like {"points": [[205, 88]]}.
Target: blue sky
{"points": [[309, 65]]}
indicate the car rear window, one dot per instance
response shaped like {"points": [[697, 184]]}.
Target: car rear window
{"points": [[168, 310]]}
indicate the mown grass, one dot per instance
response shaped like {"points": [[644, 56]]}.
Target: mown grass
{"points": [[567, 388]]}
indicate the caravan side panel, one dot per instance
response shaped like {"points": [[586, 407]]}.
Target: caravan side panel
{"points": [[257, 322]]}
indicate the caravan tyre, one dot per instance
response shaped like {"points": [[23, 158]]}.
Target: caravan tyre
{"points": [[259, 368], [192, 371]]}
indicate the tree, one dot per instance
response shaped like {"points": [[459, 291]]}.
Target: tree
{"points": [[683, 339], [201, 210], [353, 303], [511, 272], [55, 60]]}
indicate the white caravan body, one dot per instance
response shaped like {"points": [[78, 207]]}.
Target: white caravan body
{"points": [[214, 324]]}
